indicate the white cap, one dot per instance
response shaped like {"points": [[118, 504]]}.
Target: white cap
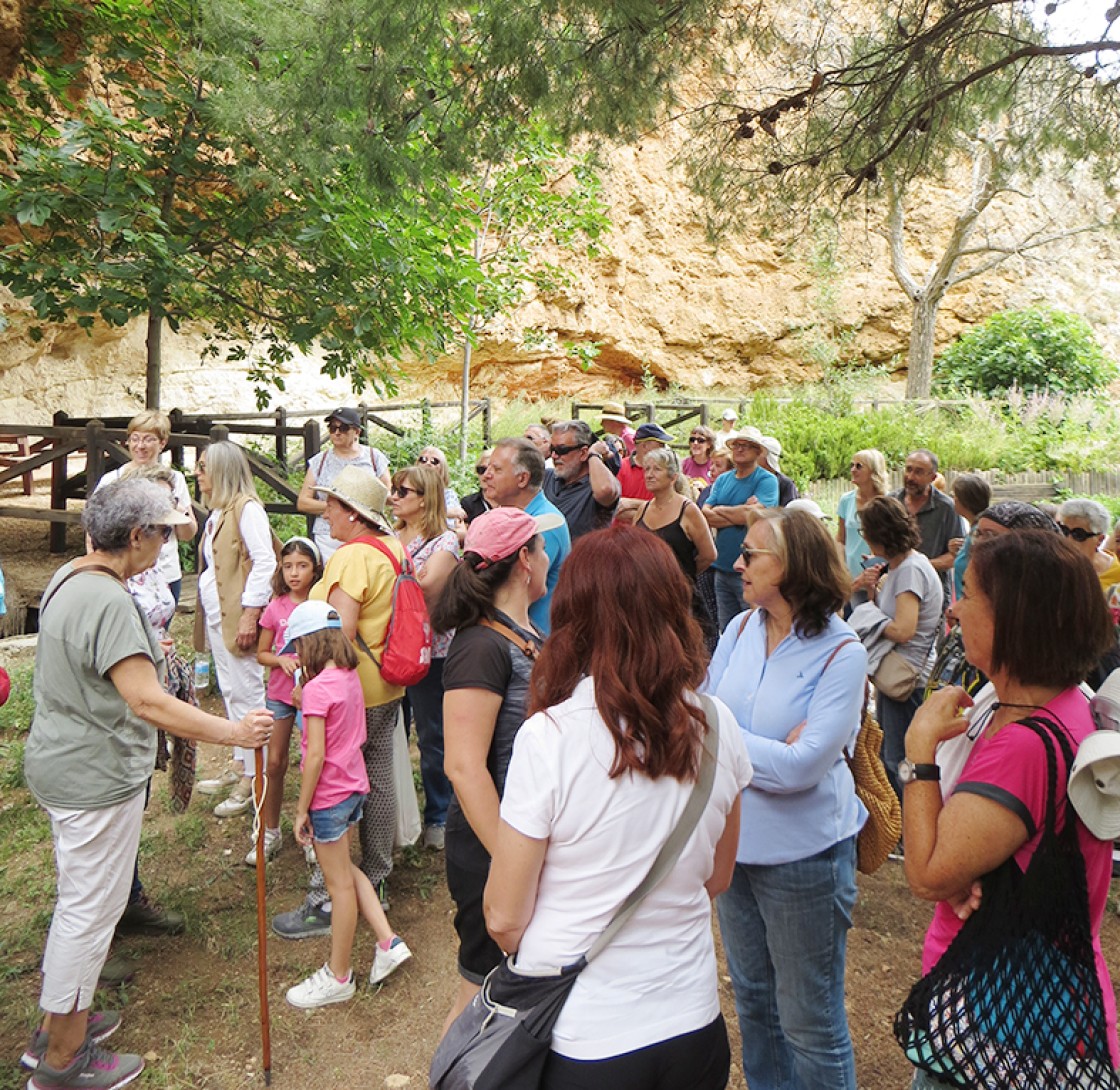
{"points": [[1094, 784], [810, 507], [729, 414], [773, 451], [307, 617]]}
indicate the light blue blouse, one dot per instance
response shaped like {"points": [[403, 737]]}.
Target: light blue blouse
{"points": [[802, 798]]}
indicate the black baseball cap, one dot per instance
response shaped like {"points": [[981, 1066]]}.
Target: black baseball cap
{"points": [[347, 416]]}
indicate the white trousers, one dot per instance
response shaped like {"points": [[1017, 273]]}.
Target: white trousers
{"points": [[241, 679], [94, 851]]}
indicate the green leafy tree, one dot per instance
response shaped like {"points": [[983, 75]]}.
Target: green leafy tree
{"points": [[130, 199], [1034, 349]]}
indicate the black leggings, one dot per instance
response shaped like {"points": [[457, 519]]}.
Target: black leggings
{"points": [[700, 1060]]}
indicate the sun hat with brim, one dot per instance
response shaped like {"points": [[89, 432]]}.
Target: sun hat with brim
{"points": [[1094, 783], [171, 517], [652, 431], [501, 531], [773, 451], [362, 492], [346, 415], [744, 435], [616, 411], [307, 617], [810, 507]]}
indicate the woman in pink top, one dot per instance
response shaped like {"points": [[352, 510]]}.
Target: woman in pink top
{"points": [[332, 792], [1036, 648]]}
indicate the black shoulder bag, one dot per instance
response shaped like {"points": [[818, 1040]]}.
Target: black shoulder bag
{"points": [[501, 1041], [1015, 1001]]}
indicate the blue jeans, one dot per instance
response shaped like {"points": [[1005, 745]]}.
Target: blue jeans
{"points": [[729, 597], [427, 712], [785, 931], [894, 717]]}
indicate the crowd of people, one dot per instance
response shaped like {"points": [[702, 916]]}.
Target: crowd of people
{"points": [[602, 614]]}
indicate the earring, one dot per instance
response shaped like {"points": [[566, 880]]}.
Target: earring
{"points": [[353, 518]]}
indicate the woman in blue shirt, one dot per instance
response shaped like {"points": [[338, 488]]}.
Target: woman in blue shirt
{"points": [[793, 673]]}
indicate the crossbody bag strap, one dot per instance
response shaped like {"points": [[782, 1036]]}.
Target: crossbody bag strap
{"points": [[672, 848], [526, 647], [100, 568]]}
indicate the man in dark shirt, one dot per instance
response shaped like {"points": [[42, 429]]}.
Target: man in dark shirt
{"points": [[580, 484], [937, 519]]}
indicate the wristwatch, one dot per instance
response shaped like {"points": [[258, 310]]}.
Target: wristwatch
{"points": [[908, 771]]}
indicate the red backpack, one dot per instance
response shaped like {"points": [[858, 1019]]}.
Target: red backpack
{"points": [[408, 639]]}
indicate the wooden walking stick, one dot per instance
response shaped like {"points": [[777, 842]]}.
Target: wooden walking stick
{"points": [[262, 929]]}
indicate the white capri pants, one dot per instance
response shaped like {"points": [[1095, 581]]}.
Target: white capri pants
{"points": [[241, 679], [94, 851]]}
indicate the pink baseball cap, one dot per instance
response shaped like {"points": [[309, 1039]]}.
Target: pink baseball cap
{"points": [[501, 531]]}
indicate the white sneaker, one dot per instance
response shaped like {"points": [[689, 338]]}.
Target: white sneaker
{"points": [[434, 837], [272, 841], [240, 799], [319, 989], [387, 962], [215, 787]]}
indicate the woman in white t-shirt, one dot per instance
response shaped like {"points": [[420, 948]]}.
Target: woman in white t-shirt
{"points": [[148, 433], [599, 777]]}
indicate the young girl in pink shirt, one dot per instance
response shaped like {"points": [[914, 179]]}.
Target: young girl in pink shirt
{"points": [[300, 568], [332, 792]]}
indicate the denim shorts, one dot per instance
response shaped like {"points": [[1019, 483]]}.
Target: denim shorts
{"points": [[279, 709], [331, 824]]}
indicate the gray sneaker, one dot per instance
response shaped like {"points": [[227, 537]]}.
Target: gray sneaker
{"points": [[304, 922], [91, 1069], [101, 1026]]}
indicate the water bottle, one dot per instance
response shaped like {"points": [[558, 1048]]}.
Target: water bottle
{"points": [[202, 674]]}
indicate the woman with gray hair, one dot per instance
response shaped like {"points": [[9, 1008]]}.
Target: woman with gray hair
{"points": [[1087, 523], [98, 696]]}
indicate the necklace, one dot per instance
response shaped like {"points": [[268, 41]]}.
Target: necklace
{"points": [[1007, 704]]}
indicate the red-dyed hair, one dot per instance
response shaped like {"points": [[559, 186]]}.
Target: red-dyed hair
{"points": [[622, 613]]}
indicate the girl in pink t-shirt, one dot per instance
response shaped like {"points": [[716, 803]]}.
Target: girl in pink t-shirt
{"points": [[299, 569], [333, 790]]}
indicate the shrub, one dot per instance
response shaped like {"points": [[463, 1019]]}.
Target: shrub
{"points": [[1031, 349]]}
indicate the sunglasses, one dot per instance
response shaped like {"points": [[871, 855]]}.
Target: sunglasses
{"points": [[1077, 534], [856, 465], [559, 452], [748, 554], [481, 469], [334, 426], [163, 531], [424, 460], [697, 439], [403, 490]]}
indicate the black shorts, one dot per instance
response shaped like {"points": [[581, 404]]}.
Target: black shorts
{"points": [[478, 952]]}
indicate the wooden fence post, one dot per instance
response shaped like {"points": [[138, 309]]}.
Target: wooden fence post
{"points": [[310, 449], [282, 437], [176, 449], [95, 455], [57, 534], [486, 422], [218, 433]]}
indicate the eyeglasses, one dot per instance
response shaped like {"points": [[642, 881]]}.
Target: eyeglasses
{"points": [[1076, 533], [136, 439], [856, 465], [481, 469], [334, 426], [559, 452], [748, 554], [163, 531], [424, 460], [402, 490], [200, 466]]}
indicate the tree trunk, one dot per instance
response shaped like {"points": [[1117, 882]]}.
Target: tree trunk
{"points": [[154, 344], [923, 325], [465, 408]]}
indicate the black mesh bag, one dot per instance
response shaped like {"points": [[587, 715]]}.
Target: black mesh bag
{"points": [[1015, 1001]]}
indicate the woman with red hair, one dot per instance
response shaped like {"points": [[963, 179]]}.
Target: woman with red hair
{"points": [[600, 774]]}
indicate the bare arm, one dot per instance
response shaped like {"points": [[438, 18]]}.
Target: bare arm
{"points": [[511, 889], [136, 680], [905, 622], [469, 719], [347, 609], [307, 501], [433, 576], [700, 536], [604, 484], [715, 517], [315, 727], [726, 848], [943, 562]]}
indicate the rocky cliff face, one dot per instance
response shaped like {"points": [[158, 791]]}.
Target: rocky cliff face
{"points": [[661, 303]]}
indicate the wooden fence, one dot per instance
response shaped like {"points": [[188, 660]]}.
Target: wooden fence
{"points": [[81, 450]]}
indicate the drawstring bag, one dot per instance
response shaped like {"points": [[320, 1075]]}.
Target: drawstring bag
{"points": [[1015, 1000], [883, 827]]}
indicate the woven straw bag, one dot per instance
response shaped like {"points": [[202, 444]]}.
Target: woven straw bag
{"points": [[880, 833]]}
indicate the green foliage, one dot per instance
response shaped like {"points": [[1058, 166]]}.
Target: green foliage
{"points": [[1033, 349]]}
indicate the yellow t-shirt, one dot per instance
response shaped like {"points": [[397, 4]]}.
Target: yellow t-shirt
{"points": [[364, 573], [1111, 575]]}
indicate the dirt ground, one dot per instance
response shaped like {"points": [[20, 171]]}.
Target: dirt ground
{"points": [[192, 1008]]}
